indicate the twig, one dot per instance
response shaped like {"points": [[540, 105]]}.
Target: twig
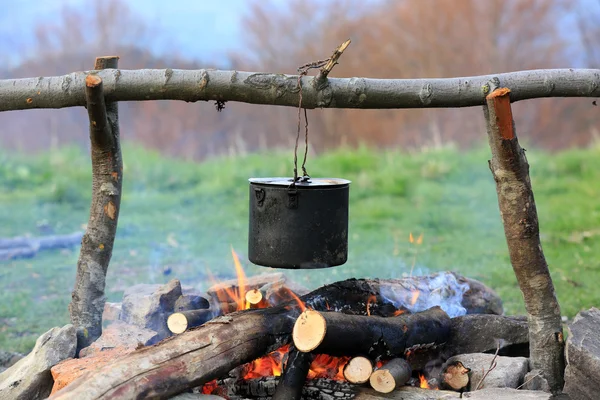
{"points": [[493, 365], [331, 62]]}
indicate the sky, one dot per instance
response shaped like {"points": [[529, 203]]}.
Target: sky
{"points": [[203, 29]]}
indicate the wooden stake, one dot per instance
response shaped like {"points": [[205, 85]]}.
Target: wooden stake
{"points": [[358, 370], [510, 169], [391, 376], [87, 299], [181, 321]]}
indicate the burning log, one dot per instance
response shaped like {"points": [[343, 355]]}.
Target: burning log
{"points": [[390, 296], [340, 334], [358, 370], [293, 379], [181, 321], [391, 376]]}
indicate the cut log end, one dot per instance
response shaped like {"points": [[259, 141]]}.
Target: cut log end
{"points": [[391, 376], [254, 296], [498, 93], [309, 331], [92, 81], [382, 381], [358, 370], [456, 376], [177, 323]]}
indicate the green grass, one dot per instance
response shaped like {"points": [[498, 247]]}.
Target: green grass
{"points": [[187, 216]]}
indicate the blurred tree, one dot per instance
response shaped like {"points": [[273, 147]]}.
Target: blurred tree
{"points": [[413, 39], [390, 39]]}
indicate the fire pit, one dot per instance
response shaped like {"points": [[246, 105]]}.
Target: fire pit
{"points": [[263, 337]]}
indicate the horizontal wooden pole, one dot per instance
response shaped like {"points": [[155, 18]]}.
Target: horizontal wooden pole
{"points": [[282, 90]]}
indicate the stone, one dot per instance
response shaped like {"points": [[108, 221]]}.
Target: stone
{"points": [[507, 394], [30, 378], [123, 335], [534, 380], [508, 373], [111, 312], [149, 306], [582, 375], [67, 371], [413, 393]]}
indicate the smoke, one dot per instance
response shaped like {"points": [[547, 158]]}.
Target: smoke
{"points": [[440, 289]]}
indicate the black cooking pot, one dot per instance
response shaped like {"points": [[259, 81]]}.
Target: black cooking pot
{"points": [[298, 226]]}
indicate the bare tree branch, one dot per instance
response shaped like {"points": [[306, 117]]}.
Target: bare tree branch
{"points": [[279, 89]]}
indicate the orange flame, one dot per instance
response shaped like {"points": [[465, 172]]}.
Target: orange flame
{"points": [[297, 299], [423, 382], [414, 297], [324, 366], [372, 298], [240, 299], [269, 365], [209, 387], [398, 312]]}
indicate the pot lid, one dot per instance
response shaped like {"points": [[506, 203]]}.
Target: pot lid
{"points": [[311, 182]]}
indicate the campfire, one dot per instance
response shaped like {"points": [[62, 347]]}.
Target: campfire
{"points": [[384, 372], [273, 339]]}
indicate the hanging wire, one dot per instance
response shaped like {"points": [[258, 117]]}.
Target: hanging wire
{"points": [[302, 71]]}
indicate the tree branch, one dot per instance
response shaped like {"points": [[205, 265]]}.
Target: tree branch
{"points": [[521, 227], [278, 89], [88, 298], [322, 77]]}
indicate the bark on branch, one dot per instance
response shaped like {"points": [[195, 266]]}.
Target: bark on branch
{"points": [[279, 89], [519, 216], [88, 297]]}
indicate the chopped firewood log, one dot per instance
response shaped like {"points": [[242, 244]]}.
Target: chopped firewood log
{"points": [[340, 334], [272, 293], [455, 376], [358, 370], [180, 362], [392, 375], [294, 375], [181, 321], [256, 299]]}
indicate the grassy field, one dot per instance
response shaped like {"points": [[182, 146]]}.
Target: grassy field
{"points": [[184, 218]]}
